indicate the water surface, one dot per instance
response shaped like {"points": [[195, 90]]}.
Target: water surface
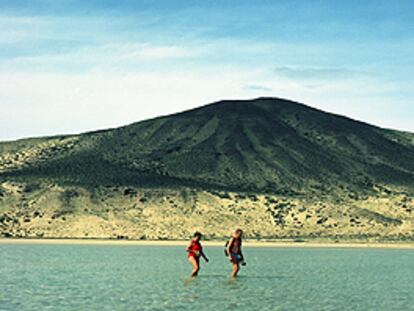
{"points": [[87, 277]]}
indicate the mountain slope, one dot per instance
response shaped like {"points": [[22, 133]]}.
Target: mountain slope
{"points": [[260, 145], [266, 146]]}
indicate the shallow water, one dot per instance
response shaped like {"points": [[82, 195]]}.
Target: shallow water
{"points": [[85, 277]]}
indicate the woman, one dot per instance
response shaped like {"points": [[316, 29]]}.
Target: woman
{"points": [[195, 251], [234, 252]]}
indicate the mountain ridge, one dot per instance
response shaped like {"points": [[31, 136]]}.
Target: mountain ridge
{"points": [[262, 153], [96, 131]]}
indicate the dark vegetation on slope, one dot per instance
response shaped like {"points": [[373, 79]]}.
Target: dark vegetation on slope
{"points": [[261, 145]]}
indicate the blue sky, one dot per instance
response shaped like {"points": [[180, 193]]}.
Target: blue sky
{"points": [[73, 66]]}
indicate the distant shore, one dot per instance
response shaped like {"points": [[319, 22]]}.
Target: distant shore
{"points": [[247, 243]]}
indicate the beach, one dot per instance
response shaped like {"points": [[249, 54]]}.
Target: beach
{"points": [[216, 243]]}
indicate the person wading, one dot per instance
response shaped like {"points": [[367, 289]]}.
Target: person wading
{"points": [[195, 251], [234, 252]]}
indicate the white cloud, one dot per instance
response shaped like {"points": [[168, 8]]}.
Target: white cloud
{"points": [[151, 52], [317, 73], [104, 56], [258, 88]]}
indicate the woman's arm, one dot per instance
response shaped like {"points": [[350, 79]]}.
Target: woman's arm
{"points": [[229, 246], [241, 255], [188, 249]]}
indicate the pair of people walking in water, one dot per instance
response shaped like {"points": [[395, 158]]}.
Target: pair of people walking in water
{"points": [[233, 251]]}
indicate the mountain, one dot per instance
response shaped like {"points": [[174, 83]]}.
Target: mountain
{"points": [[277, 167]]}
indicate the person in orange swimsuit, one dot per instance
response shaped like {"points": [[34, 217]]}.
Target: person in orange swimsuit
{"points": [[195, 251]]}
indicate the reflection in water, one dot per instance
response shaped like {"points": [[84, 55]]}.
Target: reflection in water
{"points": [[234, 283], [267, 277], [189, 281], [214, 276]]}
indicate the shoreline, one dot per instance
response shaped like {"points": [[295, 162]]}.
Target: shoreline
{"points": [[246, 243]]}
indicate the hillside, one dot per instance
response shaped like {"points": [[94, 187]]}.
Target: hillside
{"points": [[276, 167]]}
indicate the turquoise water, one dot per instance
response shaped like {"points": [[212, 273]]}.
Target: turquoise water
{"points": [[84, 277]]}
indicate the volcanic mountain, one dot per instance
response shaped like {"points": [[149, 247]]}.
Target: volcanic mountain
{"points": [[263, 150]]}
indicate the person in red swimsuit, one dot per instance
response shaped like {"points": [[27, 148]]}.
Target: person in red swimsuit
{"points": [[195, 251]]}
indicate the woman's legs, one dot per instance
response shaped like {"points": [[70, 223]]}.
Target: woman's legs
{"points": [[235, 269], [196, 265]]}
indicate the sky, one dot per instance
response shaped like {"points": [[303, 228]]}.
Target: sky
{"points": [[74, 66]]}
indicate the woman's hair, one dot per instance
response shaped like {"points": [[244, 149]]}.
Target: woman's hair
{"points": [[197, 234], [238, 231]]}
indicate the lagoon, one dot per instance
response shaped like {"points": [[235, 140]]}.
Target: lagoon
{"points": [[111, 277]]}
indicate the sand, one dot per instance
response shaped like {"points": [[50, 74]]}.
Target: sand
{"points": [[247, 243]]}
